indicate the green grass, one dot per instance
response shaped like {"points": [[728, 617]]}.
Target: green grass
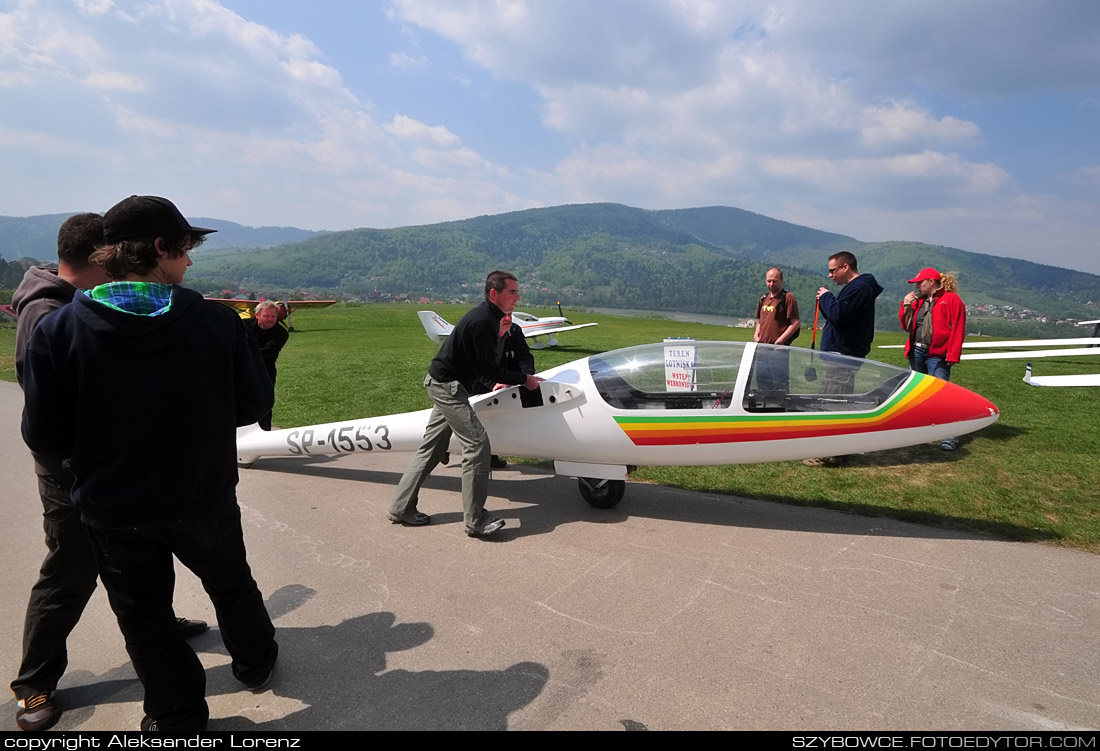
{"points": [[1034, 475]]}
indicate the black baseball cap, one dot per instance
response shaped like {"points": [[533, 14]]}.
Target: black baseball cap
{"points": [[145, 216]]}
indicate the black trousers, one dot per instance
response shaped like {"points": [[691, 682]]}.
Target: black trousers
{"points": [[135, 565], [65, 583]]}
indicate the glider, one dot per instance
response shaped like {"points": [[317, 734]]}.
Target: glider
{"points": [[284, 307], [1088, 347], [1083, 379], [438, 329], [681, 402]]}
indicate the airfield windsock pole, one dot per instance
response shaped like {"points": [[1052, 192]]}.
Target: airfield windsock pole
{"points": [[811, 372]]}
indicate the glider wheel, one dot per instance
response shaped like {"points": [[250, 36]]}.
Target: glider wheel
{"points": [[601, 493]]}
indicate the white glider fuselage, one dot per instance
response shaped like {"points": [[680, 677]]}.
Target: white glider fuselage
{"points": [[695, 403]]}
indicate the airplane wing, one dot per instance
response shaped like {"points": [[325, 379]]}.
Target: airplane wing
{"points": [[1071, 352], [1084, 379], [235, 304], [1008, 344], [295, 304], [535, 330]]}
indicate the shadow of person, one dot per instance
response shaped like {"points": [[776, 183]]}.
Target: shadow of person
{"points": [[339, 672], [336, 679]]}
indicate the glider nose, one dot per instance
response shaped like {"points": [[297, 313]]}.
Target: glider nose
{"points": [[957, 404]]}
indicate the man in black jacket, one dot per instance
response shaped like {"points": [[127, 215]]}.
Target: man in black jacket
{"points": [[472, 353], [143, 384], [271, 338]]}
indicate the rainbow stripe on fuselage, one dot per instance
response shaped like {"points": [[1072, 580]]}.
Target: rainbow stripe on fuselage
{"points": [[923, 401]]}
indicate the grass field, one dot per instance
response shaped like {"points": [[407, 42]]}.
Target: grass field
{"points": [[1034, 475]]}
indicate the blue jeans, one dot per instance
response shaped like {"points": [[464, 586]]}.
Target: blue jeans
{"points": [[135, 565], [65, 584], [937, 366]]}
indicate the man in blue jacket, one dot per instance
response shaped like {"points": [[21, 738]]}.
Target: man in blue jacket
{"points": [[849, 328], [850, 314]]}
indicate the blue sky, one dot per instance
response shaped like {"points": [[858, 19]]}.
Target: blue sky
{"points": [[970, 124]]}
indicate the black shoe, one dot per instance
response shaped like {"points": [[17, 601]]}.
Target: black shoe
{"points": [[260, 684], [496, 462], [190, 629], [488, 525], [37, 712], [410, 519], [148, 725]]}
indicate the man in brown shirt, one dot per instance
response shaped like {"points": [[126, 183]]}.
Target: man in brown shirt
{"points": [[776, 323]]}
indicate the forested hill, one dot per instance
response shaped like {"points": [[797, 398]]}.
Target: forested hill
{"points": [[36, 236], [698, 260], [710, 259]]}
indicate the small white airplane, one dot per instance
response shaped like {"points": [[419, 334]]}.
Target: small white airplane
{"points": [[533, 327], [680, 402]]}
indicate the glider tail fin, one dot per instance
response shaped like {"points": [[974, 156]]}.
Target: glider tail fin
{"points": [[1027, 374], [435, 327]]}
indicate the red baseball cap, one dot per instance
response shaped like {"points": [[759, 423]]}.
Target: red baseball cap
{"points": [[929, 273]]}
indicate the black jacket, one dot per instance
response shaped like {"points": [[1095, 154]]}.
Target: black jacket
{"points": [[146, 406], [474, 351], [270, 341]]}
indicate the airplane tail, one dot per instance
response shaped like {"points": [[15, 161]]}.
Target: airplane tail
{"points": [[435, 327], [1027, 375]]}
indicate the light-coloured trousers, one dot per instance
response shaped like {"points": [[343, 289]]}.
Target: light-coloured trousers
{"points": [[451, 413]]}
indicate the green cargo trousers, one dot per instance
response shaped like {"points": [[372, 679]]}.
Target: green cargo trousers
{"points": [[451, 413]]}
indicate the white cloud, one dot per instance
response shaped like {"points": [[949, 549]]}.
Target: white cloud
{"points": [[839, 112], [896, 124], [113, 80], [403, 60], [409, 129]]}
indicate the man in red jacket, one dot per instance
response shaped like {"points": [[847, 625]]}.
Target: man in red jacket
{"points": [[935, 318]]}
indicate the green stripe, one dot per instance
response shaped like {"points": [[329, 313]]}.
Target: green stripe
{"points": [[784, 416]]}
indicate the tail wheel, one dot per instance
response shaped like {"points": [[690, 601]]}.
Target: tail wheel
{"points": [[601, 493]]}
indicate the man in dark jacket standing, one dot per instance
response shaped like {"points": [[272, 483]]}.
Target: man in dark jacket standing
{"points": [[68, 574], [849, 328], [271, 338], [850, 314], [472, 353], [143, 384]]}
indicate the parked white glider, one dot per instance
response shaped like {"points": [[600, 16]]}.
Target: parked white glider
{"points": [[1086, 346], [438, 329], [677, 403], [1082, 379]]}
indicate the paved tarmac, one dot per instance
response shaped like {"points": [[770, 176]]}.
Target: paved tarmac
{"points": [[677, 610]]}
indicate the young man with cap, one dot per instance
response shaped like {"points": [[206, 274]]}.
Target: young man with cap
{"points": [[935, 317], [68, 575], [143, 384], [472, 353]]}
